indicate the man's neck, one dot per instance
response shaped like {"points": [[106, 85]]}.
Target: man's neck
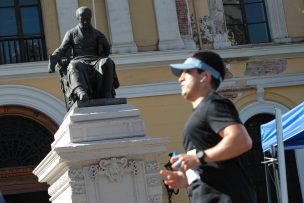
{"points": [[200, 98], [196, 102]]}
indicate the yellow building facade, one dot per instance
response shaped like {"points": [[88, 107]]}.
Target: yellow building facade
{"points": [[263, 51]]}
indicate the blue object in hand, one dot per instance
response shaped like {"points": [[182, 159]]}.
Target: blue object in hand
{"points": [[179, 167]]}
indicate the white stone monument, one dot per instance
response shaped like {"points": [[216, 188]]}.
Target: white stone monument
{"points": [[103, 155]]}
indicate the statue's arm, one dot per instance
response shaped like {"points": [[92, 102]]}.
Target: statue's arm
{"points": [[53, 60], [60, 51], [104, 47]]}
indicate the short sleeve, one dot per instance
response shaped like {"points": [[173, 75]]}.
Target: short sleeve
{"points": [[221, 113]]}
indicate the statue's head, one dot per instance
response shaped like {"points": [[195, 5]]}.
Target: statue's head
{"points": [[84, 15]]}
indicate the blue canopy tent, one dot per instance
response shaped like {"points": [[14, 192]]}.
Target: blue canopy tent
{"points": [[285, 132], [292, 128]]}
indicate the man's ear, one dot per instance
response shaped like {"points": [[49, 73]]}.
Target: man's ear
{"points": [[208, 74]]}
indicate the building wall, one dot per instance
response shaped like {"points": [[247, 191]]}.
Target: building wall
{"points": [[293, 12], [47, 83], [50, 23], [257, 73]]}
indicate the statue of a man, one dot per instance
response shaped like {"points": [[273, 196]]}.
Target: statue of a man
{"points": [[88, 74]]}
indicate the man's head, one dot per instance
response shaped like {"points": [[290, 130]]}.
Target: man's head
{"points": [[203, 61], [84, 15], [200, 74]]}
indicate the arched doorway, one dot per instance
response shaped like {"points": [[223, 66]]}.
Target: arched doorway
{"points": [[25, 139], [252, 162]]}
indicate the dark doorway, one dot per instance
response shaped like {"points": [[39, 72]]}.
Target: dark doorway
{"points": [[252, 162], [32, 197], [23, 144]]}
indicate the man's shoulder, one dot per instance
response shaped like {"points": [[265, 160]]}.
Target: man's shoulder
{"points": [[214, 97], [217, 101]]}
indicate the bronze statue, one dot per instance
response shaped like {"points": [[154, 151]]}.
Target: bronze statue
{"points": [[83, 61]]}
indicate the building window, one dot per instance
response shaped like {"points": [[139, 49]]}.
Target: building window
{"points": [[246, 21], [21, 33]]}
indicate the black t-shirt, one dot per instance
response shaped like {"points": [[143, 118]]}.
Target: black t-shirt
{"points": [[227, 177], [213, 114]]}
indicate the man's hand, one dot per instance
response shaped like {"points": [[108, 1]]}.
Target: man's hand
{"points": [[175, 179], [187, 161]]}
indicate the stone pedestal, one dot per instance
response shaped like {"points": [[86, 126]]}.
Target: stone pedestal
{"points": [[103, 155]]}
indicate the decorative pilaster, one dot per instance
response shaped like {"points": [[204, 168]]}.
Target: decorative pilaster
{"points": [[276, 19], [66, 12], [120, 27], [217, 15], [167, 25], [184, 22], [153, 181]]}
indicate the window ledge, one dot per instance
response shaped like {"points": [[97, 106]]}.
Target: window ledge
{"points": [[262, 50]]}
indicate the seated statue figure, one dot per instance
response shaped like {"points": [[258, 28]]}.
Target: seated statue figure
{"points": [[83, 61]]}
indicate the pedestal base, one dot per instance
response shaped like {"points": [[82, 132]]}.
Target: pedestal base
{"points": [[103, 155]]}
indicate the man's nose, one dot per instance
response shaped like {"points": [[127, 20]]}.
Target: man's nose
{"points": [[181, 77]]}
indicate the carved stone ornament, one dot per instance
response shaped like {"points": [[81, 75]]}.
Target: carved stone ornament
{"points": [[206, 28], [153, 180], [151, 166], [76, 174], [78, 188], [114, 168], [155, 199]]}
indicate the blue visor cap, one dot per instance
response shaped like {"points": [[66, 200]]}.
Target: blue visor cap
{"points": [[191, 63]]}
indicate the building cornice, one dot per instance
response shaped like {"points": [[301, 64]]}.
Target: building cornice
{"points": [[172, 87], [289, 50], [39, 69], [264, 81]]}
